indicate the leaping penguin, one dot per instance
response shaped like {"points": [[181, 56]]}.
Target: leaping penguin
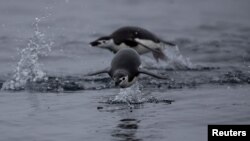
{"points": [[124, 69], [137, 38]]}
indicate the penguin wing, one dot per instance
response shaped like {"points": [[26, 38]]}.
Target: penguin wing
{"points": [[152, 74], [157, 52], [98, 72], [153, 50]]}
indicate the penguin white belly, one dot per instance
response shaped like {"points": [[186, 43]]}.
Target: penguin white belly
{"points": [[139, 48], [121, 46]]}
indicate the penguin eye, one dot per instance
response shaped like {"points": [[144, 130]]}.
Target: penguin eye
{"points": [[123, 78], [103, 41]]}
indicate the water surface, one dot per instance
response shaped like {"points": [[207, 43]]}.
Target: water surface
{"points": [[45, 52]]}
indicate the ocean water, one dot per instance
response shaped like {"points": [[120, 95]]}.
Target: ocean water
{"points": [[45, 55]]}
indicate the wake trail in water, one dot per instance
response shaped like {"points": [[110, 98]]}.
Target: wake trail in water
{"points": [[28, 69]]}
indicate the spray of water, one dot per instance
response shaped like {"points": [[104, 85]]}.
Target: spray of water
{"points": [[133, 97], [130, 95], [175, 60], [28, 69]]}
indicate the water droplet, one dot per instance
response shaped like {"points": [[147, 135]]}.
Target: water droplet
{"points": [[28, 69]]}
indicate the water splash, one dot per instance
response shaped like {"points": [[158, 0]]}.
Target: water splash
{"points": [[175, 60], [130, 95], [131, 98], [28, 69]]}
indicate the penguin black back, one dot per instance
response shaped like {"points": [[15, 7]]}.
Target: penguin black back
{"points": [[130, 32], [127, 59]]}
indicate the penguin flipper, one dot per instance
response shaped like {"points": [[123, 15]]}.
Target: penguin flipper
{"points": [[152, 74], [153, 50], [98, 72], [159, 55]]}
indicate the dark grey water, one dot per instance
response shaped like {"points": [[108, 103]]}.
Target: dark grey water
{"points": [[45, 54]]}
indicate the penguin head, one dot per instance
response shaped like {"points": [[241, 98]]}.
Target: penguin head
{"points": [[121, 78], [103, 42]]}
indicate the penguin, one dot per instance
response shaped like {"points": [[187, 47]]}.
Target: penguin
{"points": [[139, 39], [125, 68]]}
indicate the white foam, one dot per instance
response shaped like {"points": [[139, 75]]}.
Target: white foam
{"points": [[130, 95]]}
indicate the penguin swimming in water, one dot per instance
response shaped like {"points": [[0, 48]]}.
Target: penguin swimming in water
{"points": [[124, 69], [136, 38]]}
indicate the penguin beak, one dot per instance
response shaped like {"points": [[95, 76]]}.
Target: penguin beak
{"points": [[94, 43], [117, 82]]}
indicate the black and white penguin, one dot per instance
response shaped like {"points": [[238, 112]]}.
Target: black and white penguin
{"points": [[124, 69], [136, 38]]}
